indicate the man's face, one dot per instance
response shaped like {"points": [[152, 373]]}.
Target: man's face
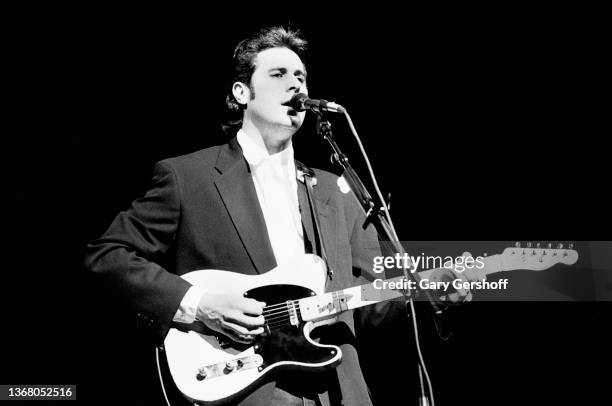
{"points": [[279, 75]]}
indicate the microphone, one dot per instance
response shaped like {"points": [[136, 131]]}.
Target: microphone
{"points": [[301, 102]]}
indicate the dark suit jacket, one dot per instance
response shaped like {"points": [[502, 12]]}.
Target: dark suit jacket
{"points": [[202, 212]]}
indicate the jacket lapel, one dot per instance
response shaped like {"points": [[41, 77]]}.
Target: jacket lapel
{"points": [[238, 194]]}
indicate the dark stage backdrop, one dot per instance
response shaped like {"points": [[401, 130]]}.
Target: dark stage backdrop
{"points": [[475, 124]]}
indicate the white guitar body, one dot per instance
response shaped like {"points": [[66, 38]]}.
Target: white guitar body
{"points": [[189, 351]]}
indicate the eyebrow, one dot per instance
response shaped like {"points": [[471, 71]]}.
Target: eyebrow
{"points": [[284, 70]]}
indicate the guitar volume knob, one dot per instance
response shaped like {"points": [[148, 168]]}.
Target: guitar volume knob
{"points": [[230, 366], [201, 374]]}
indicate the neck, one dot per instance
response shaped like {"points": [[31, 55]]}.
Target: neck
{"points": [[274, 140]]}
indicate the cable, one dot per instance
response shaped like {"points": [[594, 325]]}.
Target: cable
{"points": [[161, 379], [421, 360], [371, 172], [388, 217]]}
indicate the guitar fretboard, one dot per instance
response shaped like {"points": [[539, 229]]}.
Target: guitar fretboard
{"points": [[330, 304]]}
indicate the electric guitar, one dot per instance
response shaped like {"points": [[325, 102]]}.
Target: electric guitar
{"points": [[210, 369]]}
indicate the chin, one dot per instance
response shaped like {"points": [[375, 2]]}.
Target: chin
{"points": [[296, 122]]}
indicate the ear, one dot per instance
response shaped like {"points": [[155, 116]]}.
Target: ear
{"points": [[241, 92]]}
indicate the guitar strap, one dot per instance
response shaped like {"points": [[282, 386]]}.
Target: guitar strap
{"points": [[307, 175]]}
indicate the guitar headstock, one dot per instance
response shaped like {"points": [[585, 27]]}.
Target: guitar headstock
{"points": [[536, 258]]}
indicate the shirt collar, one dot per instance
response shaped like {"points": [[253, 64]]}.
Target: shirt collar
{"points": [[255, 151]]}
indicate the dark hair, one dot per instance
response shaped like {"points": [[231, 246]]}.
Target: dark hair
{"points": [[244, 65]]}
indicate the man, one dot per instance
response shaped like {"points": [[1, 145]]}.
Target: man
{"points": [[240, 207]]}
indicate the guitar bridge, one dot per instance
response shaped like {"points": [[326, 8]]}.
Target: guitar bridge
{"points": [[293, 316]]}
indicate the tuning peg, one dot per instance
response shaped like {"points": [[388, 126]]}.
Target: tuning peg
{"points": [[549, 245], [528, 245], [517, 244], [538, 245], [560, 246], [570, 247]]}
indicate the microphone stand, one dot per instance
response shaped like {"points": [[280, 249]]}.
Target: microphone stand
{"points": [[376, 216], [374, 212]]}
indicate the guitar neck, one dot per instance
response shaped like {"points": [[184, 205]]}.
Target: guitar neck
{"points": [[329, 304]]}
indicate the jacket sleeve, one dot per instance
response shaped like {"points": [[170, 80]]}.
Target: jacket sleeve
{"points": [[133, 253]]}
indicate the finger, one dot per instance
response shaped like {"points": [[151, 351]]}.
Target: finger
{"points": [[453, 297], [244, 331], [462, 292], [240, 333], [220, 327], [462, 295], [251, 307], [244, 320], [235, 336], [474, 273]]}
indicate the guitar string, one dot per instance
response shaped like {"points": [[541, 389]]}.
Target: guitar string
{"points": [[276, 317], [277, 312], [281, 318], [279, 305], [282, 311], [283, 307]]}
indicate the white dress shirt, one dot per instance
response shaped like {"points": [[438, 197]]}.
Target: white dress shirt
{"points": [[274, 177]]}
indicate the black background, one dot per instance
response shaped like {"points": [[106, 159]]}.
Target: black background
{"points": [[483, 124]]}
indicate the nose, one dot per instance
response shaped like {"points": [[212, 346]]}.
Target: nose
{"points": [[295, 85]]}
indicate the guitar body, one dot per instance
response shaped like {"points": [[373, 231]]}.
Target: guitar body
{"points": [[210, 369]]}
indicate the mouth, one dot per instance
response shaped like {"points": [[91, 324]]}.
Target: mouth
{"points": [[290, 110]]}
